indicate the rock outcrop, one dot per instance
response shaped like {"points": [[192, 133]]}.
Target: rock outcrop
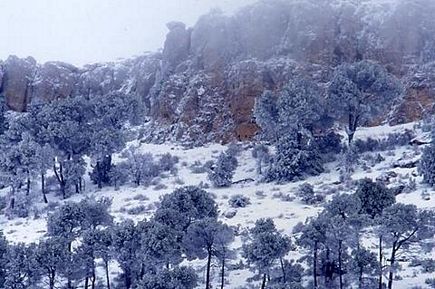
{"points": [[203, 85]]}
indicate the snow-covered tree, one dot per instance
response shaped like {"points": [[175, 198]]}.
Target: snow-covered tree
{"points": [[400, 225], [159, 245], [126, 248], [4, 246], [265, 246], [374, 197], [109, 113], [21, 267], [427, 165], [266, 114], [221, 174], [141, 167], [184, 206], [262, 155], [296, 157], [176, 278], [51, 258], [203, 239], [360, 92], [64, 125], [363, 264], [295, 106]]}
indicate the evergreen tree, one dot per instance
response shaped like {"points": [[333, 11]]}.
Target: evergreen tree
{"points": [[202, 240], [266, 115], [402, 224], [109, 113], [222, 172], [374, 197], [126, 248], [159, 245], [361, 91], [141, 167], [51, 258], [296, 157], [426, 167], [262, 156], [67, 223], [363, 263], [177, 278], [21, 268], [265, 247], [65, 126], [3, 258], [184, 206]]}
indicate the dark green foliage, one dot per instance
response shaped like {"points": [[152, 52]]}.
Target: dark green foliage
{"points": [[374, 197], [296, 158], [185, 205], [239, 201], [221, 174], [361, 91], [426, 167], [178, 278], [265, 247]]}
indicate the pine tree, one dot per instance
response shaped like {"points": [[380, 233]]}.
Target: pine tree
{"points": [[126, 247], [222, 172], [265, 246], [361, 91], [3, 258], [21, 268], [266, 114], [426, 167], [184, 206], [296, 157], [202, 240], [402, 224], [51, 258]]}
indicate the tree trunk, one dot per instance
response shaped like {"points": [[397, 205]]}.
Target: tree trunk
{"points": [[60, 179], [284, 279], [127, 278], [340, 243], [392, 262], [315, 265], [86, 283], [380, 262], [106, 267], [223, 273], [44, 196], [93, 279], [51, 277], [12, 200], [99, 177], [360, 278], [207, 277], [28, 186], [263, 284]]}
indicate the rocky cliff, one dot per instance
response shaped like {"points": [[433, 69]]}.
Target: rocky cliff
{"points": [[203, 85]]}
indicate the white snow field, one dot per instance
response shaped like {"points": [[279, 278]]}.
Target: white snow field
{"points": [[266, 198]]}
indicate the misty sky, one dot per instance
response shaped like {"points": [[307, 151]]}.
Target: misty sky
{"points": [[86, 31]]}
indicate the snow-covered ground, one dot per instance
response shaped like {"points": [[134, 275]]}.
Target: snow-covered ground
{"points": [[265, 198]]}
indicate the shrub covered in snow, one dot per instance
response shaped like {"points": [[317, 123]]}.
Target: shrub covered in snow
{"points": [[239, 201], [307, 195]]}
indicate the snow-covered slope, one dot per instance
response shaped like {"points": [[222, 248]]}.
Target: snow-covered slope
{"points": [[268, 200]]}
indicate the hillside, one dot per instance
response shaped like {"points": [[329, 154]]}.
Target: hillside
{"points": [[203, 84], [267, 200]]}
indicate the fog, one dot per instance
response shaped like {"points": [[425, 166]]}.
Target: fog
{"points": [[87, 31]]}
